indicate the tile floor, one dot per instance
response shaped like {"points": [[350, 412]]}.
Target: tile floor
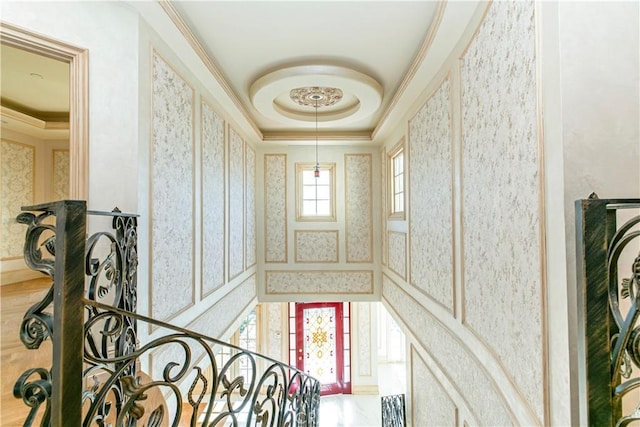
{"points": [[345, 410]]}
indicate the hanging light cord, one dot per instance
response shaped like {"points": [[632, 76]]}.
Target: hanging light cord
{"points": [[317, 133]]}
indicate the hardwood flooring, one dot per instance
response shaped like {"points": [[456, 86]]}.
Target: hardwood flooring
{"points": [[15, 300]]}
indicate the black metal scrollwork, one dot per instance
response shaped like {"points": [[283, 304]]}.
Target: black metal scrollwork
{"points": [[626, 342], [115, 392]]}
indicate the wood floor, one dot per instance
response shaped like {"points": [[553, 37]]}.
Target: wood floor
{"points": [[15, 300]]}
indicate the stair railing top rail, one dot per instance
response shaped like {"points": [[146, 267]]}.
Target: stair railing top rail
{"points": [[608, 273], [90, 316]]}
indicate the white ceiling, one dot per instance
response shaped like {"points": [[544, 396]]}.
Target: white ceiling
{"points": [[35, 94], [380, 54], [360, 47]]}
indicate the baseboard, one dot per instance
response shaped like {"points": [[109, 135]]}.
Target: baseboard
{"points": [[364, 389]]}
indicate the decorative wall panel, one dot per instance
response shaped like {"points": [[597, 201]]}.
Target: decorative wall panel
{"points": [[236, 204], [18, 180], [275, 207], [430, 227], [274, 330], [172, 192], [500, 195], [398, 253], [316, 245], [213, 323], [431, 404], [383, 204], [364, 338], [319, 282], [358, 207], [60, 172], [449, 352], [250, 203], [216, 320], [213, 200]]}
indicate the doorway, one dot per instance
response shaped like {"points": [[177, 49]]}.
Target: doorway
{"points": [[44, 133], [323, 343]]}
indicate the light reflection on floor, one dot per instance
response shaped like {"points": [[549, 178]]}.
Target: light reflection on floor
{"points": [[346, 410]]}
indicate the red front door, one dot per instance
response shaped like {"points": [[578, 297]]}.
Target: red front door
{"points": [[320, 345]]}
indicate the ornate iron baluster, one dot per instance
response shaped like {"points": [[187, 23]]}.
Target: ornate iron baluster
{"points": [[103, 378], [611, 334], [393, 412], [65, 244]]}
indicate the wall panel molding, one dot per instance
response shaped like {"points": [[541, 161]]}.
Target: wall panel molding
{"points": [[397, 247], [431, 219], [236, 243], [213, 199], [250, 204], [316, 246], [358, 207], [319, 282], [498, 99], [172, 192], [275, 208]]}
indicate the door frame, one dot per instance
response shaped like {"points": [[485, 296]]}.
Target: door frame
{"points": [[341, 386], [78, 60]]}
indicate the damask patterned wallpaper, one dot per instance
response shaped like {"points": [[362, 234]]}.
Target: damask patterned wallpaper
{"points": [[316, 245], [431, 201], [250, 206], [474, 165], [18, 181], [236, 204], [61, 170], [500, 195], [358, 207], [213, 199], [319, 282], [275, 207], [172, 192], [431, 404]]}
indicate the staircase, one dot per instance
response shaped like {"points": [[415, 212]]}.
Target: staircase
{"points": [[102, 375]]}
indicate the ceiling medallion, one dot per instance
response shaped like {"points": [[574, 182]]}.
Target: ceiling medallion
{"points": [[314, 96]]}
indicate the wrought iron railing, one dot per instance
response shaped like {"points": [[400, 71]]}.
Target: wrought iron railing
{"points": [[608, 259], [101, 375], [393, 411]]}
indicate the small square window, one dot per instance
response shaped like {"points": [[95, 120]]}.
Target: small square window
{"points": [[315, 196]]}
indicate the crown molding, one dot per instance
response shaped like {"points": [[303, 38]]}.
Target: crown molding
{"points": [[193, 41], [415, 65], [289, 136]]}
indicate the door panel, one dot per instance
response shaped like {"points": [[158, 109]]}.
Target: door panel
{"points": [[320, 345]]}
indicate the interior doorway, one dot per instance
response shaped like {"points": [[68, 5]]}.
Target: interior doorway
{"points": [[44, 132], [321, 343]]}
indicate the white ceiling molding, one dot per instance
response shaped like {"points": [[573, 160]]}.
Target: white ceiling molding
{"points": [[271, 94]]}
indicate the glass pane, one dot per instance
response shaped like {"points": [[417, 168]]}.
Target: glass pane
{"points": [[309, 207], [325, 177], [319, 343], [323, 192], [307, 177], [399, 184], [401, 202], [292, 341], [400, 163], [309, 192], [324, 208]]}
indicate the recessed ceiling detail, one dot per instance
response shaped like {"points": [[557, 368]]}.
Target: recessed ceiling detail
{"points": [[288, 95], [316, 96]]}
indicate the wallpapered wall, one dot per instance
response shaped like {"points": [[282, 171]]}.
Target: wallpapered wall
{"points": [[333, 259], [33, 171], [202, 194], [473, 294]]}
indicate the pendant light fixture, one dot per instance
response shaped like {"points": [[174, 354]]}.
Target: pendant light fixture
{"points": [[316, 170], [316, 96]]}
